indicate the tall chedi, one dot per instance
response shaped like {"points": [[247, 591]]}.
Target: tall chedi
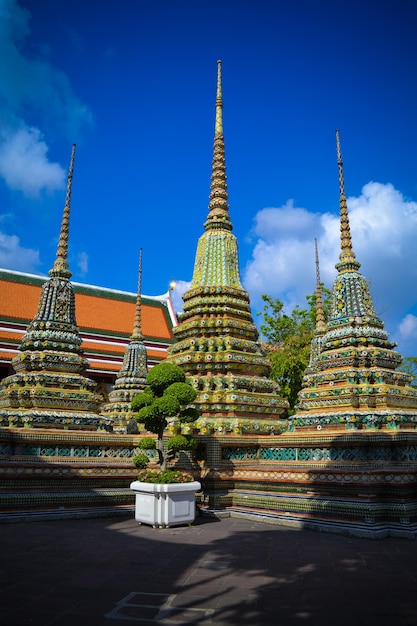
{"points": [[321, 326], [217, 340], [131, 379], [49, 387], [354, 381]]}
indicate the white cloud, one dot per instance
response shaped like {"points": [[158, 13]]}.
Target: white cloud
{"points": [[33, 81], [271, 223], [83, 263], [408, 327], [384, 231], [31, 86], [24, 164], [181, 286], [14, 256]]}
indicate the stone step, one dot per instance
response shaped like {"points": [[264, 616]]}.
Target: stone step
{"points": [[52, 504], [34, 515], [364, 517]]}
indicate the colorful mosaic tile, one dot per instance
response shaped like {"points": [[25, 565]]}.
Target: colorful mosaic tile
{"points": [[50, 386], [217, 340], [352, 379]]}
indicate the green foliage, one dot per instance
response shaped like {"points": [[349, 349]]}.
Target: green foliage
{"points": [[167, 406], [147, 443], [278, 326], [168, 397], [189, 415], [326, 296], [182, 391], [182, 442], [140, 461], [164, 476], [289, 339], [409, 365], [144, 413], [142, 399], [288, 365], [163, 375]]}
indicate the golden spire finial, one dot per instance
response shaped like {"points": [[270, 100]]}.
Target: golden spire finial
{"points": [[61, 263], [346, 253], [320, 319], [218, 216], [219, 101], [137, 328]]}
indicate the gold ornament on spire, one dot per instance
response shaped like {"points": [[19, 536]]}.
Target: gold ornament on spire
{"points": [[137, 328], [346, 253], [219, 101], [60, 267], [320, 319], [218, 217]]}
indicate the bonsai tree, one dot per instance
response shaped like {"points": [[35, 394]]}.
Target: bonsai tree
{"points": [[167, 397]]}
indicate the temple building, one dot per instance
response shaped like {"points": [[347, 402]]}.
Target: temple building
{"points": [[50, 387], [352, 380], [217, 340], [105, 318], [131, 379]]}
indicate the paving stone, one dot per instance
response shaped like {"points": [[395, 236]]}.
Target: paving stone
{"points": [[229, 572]]}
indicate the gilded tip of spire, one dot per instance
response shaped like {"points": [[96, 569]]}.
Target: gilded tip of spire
{"points": [[137, 328], [219, 102]]}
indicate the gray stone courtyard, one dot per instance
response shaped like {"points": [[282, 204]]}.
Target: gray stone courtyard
{"points": [[112, 571]]}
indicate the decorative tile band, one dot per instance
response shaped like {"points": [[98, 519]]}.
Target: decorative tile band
{"points": [[344, 454]]}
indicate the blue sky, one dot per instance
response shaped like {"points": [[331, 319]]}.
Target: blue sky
{"points": [[133, 84]]}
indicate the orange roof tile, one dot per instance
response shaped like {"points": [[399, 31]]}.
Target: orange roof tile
{"points": [[105, 319], [19, 301], [118, 316]]}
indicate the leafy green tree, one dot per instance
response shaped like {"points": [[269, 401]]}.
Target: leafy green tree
{"points": [[167, 396], [288, 364], [288, 340], [409, 365]]}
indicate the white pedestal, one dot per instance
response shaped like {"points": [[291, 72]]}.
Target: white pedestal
{"points": [[165, 505]]}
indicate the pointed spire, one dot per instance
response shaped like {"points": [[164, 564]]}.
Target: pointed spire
{"points": [[320, 319], [219, 101], [218, 216], [347, 256], [60, 267], [137, 328]]}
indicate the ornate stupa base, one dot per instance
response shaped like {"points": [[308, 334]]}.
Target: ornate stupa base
{"points": [[121, 416], [33, 418], [354, 420], [227, 424], [245, 425]]}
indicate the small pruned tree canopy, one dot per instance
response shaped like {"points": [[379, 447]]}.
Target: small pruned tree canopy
{"points": [[141, 400], [167, 397], [166, 406], [182, 391], [163, 375], [189, 415], [182, 442], [140, 461], [147, 443]]}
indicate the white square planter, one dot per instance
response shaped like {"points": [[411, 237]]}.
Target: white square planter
{"points": [[164, 505]]}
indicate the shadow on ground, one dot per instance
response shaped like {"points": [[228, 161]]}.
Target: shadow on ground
{"points": [[112, 572]]}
